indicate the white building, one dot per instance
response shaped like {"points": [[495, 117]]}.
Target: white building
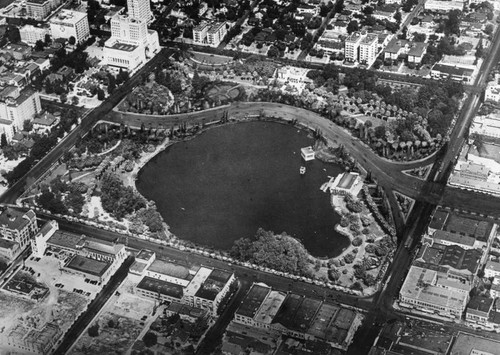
{"points": [[492, 92], [368, 49], [488, 126], [294, 76], [68, 23], [39, 241], [17, 106], [139, 10], [492, 269], [351, 47], [443, 5], [123, 55], [129, 30], [430, 291], [18, 227], [200, 33], [216, 34], [30, 34]]}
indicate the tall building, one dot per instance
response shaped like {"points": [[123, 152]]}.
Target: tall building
{"points": [[200, 33], [216, 34], [17, 106], [129, 30], [351, 47], [40, 9], [139, 10], [68, 23], [30, 34], [368, 49]]}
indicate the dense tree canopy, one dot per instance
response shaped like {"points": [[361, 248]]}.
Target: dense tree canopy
{"points": [[275, 251], [117, 199]]}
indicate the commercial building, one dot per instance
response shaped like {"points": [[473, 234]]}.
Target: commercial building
{"points": [[443, 71], [122, 55], [468, 344], [81, 255], [202, 288], [17, 106], [488, 126], [139, 10], [296, 316], [31, 34], [68, 23], [432, 292], [492, 92], [478, 309], [17, 227]]}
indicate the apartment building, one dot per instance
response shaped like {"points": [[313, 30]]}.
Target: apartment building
{"points": [[368, 49], [68, 23], [351, 47], [31, 34]]}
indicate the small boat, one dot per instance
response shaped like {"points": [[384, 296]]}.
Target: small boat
{"points": [[302, 170]]}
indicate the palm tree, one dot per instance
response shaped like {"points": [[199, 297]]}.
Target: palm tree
{"points": [[409, 145]]}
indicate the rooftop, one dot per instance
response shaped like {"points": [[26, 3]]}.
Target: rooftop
{"points": [[270, 307], [145, 254], [253, 300], [7, 244], [466, 343], [347, 180], [88, 265], [68, 16], [322, 323], [297, 312], [439, 218], [163, 287], [480, 303], [452, 70], [454, 238], [122, 46], [170, 269], [461, 259], [13, 219], [492, 265]]}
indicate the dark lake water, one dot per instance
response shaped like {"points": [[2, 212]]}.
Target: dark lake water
{"points": [[231, 180]]}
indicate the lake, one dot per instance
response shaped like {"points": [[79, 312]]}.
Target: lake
{"points": [[229, 181]]}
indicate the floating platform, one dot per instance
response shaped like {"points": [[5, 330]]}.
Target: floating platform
{"points": [[302, 170]]}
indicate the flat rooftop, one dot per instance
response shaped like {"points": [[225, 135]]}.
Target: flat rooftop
{"points": [[297, 312], [322, 323], [213, 284], [88, 265], [253, 300], [145, 254], [347, 180], [171, 269], [162, 287], [13, 219], [439, 219], [123, 46], [466, 343]]}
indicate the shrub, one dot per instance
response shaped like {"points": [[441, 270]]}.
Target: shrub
{"points": [[365, 231], [357, 286], [344, 222], [370, 248], [366, 221], [150, 339]]}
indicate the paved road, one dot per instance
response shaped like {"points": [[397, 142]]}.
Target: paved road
{"points": [[93, 309], [88, 121], [244, 273]]}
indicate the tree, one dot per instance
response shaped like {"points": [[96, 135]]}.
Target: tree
{"points": [[39, 46], [75, 100], [72, 40], [63, 98], [150, 339], [100, 94], [47, 40], [13, 34], [452, 24], [273, 52], [397, 17], [27, 125], [489, 29], [419, 37], [93, 330], [353, 26], [3, 141]]}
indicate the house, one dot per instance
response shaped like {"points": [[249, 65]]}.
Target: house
{"points": [[492, 269], [347, 184], [17, 51], [45, 122], [416, 52]]}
